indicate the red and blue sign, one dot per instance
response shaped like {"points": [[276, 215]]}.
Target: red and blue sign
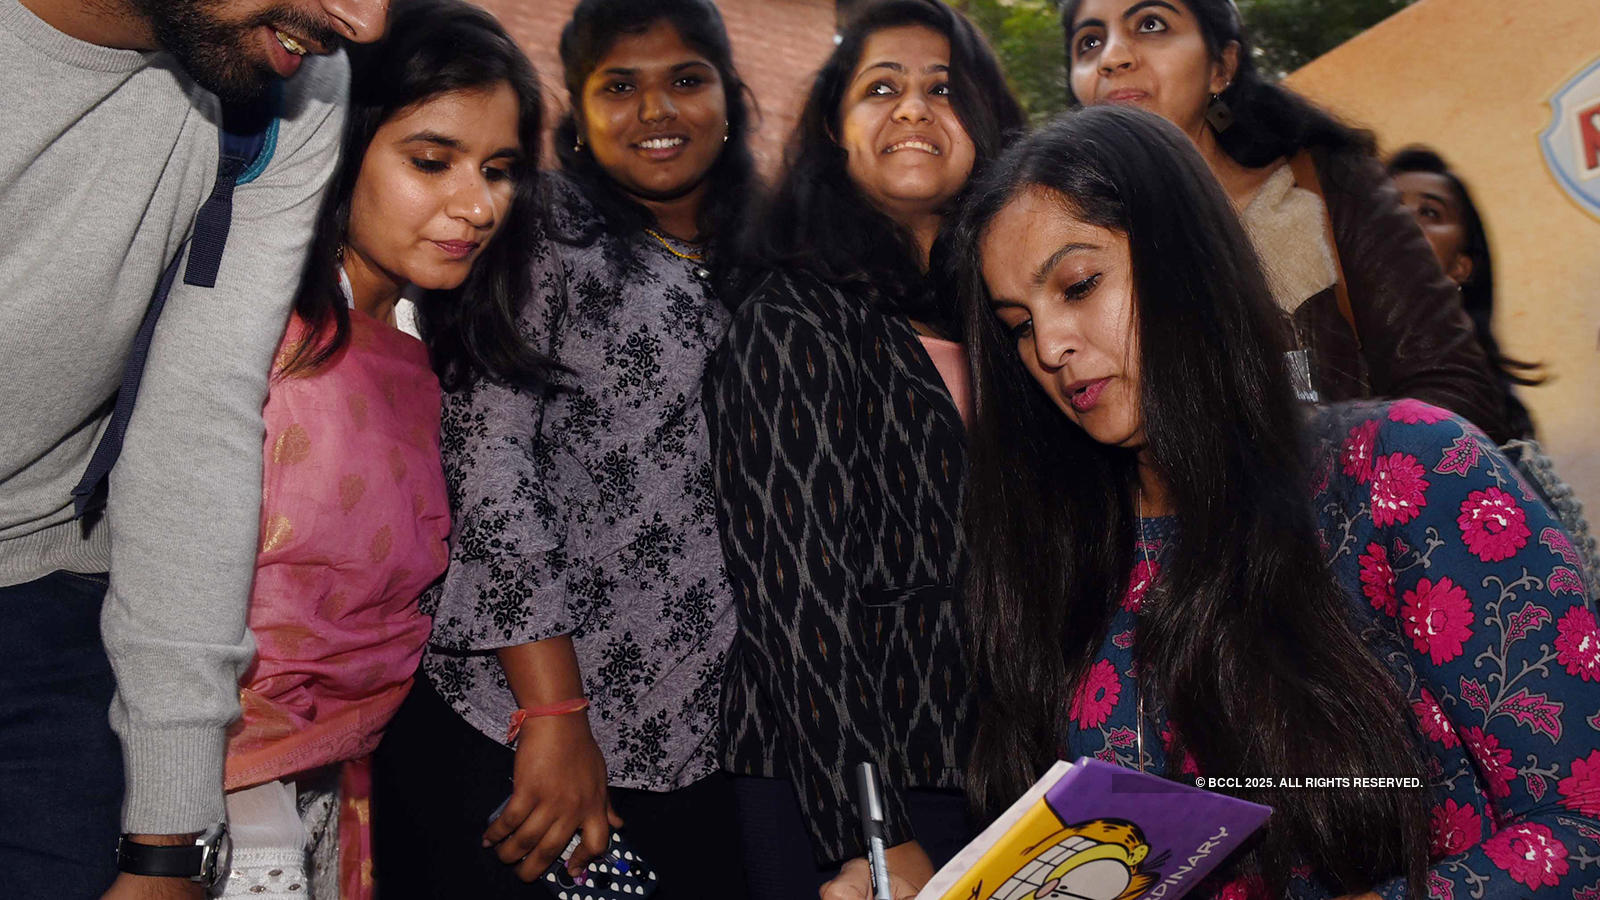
{"points": [[1571, 144]]}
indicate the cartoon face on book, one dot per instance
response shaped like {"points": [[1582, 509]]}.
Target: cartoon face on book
{"points": [[1095, 860], [1091, 830]]}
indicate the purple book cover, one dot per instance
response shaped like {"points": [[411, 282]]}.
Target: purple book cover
{"points": [[1096, 831]]}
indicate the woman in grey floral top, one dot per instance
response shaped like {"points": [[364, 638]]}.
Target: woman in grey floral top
{"points": [[585, 561]]}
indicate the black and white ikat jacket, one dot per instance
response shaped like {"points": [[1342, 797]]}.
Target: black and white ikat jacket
{"points": [[839, 459]]}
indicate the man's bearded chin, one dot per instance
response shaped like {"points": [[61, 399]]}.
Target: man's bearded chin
{"points": [[216, 54], [222, 55]]}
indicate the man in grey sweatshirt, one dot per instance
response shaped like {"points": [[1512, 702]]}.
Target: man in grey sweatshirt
{"points": [[110, 145]]}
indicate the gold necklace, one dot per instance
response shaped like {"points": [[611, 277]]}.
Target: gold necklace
{"points": [[692, 257]]}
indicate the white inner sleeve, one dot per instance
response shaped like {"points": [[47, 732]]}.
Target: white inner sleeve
{"points": [[269, 844]]}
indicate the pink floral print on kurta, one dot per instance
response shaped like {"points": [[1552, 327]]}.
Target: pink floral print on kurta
{"points": [[1097, 696], [1377, 579], [1454, 828], [1580, 791], [1398, 489], [1249, 887], [1144, 574], [1494, 761], [1356, 455], [1493, 526], [1530, 854], [1495, 656], [1438, 617], [1578, 644], [1433, 721], [1169, 739], [1414, 412]]}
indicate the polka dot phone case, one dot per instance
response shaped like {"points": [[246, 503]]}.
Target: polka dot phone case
{"points": [[617, 874]]}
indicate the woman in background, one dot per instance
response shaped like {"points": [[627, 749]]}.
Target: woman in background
{"points": [[434, 189], [1373, 315], [1443, 208], [1178, 568], [839, 448], [580, 633], [1449, 219]]}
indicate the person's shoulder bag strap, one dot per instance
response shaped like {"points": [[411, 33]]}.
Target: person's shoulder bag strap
{"points": [[248, 135]]}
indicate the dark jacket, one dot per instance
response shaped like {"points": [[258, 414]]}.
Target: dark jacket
{"points": [[839, 460], [1415, 338]]}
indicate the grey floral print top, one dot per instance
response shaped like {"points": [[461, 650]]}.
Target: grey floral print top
{"points": [[591, 512]]}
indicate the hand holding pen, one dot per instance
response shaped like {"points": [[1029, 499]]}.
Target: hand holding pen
{"points": [[905, 867], [909, 870]]}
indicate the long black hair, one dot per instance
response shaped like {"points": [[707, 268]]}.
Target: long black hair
{"points": [[1477, 292], [819, 221], [1269, 120], [732, 183], [1249, 643], [435, 47]]}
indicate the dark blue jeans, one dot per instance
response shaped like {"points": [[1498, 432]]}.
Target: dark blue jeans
{"points": [[60, 763]]}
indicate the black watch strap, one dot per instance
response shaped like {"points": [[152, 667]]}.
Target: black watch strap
{"points": [[182, 861]]}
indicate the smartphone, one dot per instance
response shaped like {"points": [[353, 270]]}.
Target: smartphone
{"points": [[618, 874]]}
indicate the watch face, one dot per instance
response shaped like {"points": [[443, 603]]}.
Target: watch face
{"points": [[218, 856]]}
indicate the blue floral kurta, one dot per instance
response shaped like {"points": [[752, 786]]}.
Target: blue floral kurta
{"points": [[1464, 585]]}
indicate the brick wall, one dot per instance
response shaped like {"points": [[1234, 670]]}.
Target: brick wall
{"points": [[777, 45]]}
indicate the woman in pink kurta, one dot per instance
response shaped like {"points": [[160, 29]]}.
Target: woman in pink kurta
{"points": [[354, 525], [430, 213]]}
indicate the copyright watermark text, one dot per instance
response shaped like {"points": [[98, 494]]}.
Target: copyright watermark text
{"points": [[1308, 781]]}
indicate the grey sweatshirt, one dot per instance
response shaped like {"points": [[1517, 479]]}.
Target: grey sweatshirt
{"points": [[106, 156]]}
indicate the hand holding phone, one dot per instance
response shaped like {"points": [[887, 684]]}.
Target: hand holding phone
{"points": [[558, 791]]}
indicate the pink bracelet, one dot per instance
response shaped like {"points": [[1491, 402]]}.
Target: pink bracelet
{"points": [[559, 708]]}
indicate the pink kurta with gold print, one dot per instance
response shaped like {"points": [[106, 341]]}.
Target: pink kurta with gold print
{"points": [[354, 525]]}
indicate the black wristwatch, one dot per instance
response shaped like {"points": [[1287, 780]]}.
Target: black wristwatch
{"points": [[203, 862]]}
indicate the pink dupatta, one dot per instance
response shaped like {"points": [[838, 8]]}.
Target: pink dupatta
{"points": [[354, 525]]}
